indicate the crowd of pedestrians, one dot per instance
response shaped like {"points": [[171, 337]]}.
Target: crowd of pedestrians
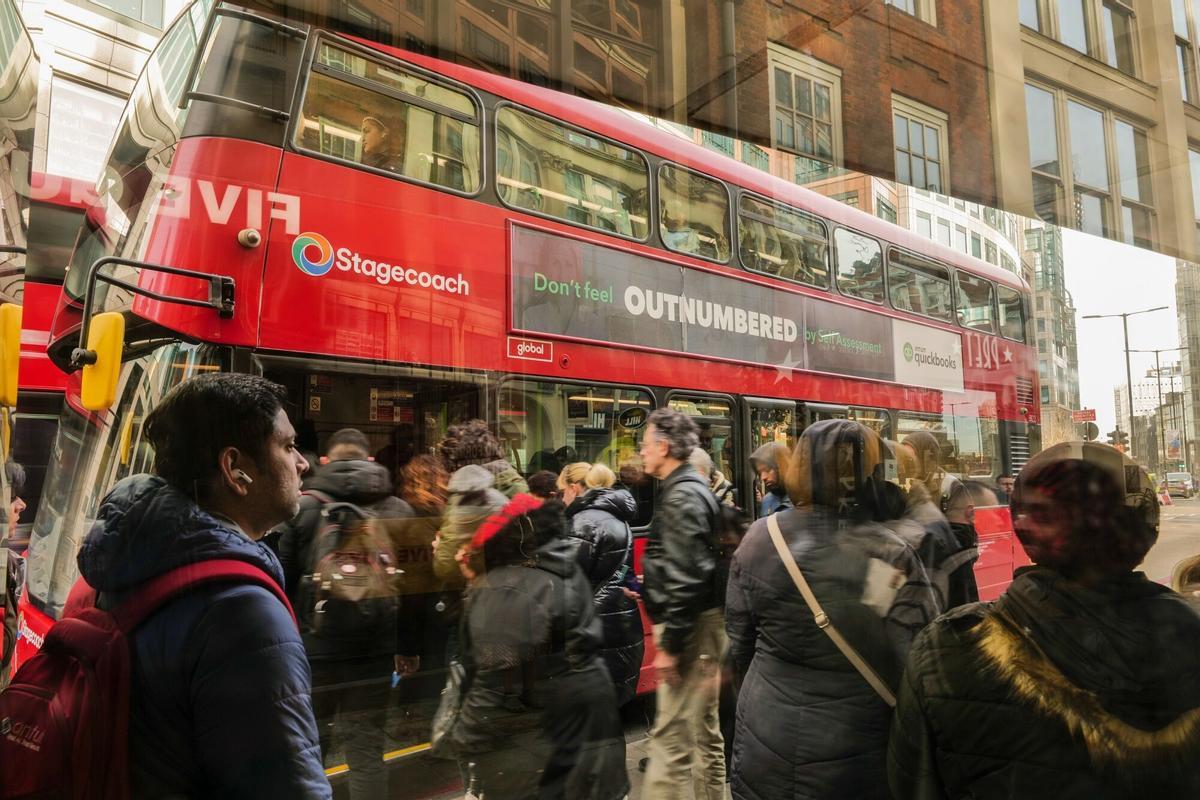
{"points": [[834, 648]]}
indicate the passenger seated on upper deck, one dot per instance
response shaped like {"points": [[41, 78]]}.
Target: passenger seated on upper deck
{"points": [[380, 148]]}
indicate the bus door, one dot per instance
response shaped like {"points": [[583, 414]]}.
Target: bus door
{"points": [[769, 421], [714, 415]]}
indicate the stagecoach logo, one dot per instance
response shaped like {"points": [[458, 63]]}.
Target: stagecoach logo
{"points": [[301, 248], [315, 256]]}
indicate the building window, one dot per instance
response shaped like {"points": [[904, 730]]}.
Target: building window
{"points": [[960, 238], [989, 252], [1117, 20], [924, 225], [755, 156], [1102, 29], [82, 123], [943, 232], [849, 198], [1031, 14], [715, 141], [885, 210], [924, 10], [976, 245], [149, 12], [1073, 26], [807, 111], [920, 136], [1194, 162], [1073, 147]]}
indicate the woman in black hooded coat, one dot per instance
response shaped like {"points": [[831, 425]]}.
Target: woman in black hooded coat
{"points": [[599, 517], [538, 717]]}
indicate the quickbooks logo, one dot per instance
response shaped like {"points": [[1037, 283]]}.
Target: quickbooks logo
{"points": [[908, 351], [315, 256], [300, 250]]}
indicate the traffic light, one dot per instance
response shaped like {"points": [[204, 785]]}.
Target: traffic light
{"points": [[1119, 439], [1112, 437]]}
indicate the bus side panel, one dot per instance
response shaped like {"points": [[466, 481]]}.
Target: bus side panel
{"points": [[994, 569], [647, 680], [32, 627]]}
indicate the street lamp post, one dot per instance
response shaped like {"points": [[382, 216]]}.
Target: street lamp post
{"points": [[1128, 372], [1158, 380]]}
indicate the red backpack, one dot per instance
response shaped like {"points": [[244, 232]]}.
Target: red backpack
{"points": [[64, 719]]}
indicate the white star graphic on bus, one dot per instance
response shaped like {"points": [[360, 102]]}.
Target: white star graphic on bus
{"points": [[785, 368], [1007, 354]]}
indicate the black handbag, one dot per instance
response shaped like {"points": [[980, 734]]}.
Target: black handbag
{"points": [[443, 739]]}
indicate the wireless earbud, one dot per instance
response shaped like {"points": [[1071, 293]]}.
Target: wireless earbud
{"points": [[242, 476]]}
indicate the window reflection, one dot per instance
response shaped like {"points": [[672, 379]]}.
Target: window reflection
{"points": [[693, 213], [859, 265]]}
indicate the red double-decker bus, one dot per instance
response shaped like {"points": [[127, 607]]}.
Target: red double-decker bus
{"points": [[406, 243]]}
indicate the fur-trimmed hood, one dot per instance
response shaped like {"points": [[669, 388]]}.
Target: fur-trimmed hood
{"points": [[1116, 664]]}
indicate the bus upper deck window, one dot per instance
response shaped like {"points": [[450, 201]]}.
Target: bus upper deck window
{"points": [[389, 119], [594, 182], [780, 241], [859, 265], [693, 213], [919, 286], [1012, 315], [976, 303]]}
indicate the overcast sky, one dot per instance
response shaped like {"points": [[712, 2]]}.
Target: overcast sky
{"points": [[1106, 277]]}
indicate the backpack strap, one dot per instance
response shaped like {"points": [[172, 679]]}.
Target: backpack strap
{"points": [[148, 598], [822, 619]]}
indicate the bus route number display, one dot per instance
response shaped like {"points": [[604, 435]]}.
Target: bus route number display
{"points": [[579, 290]]}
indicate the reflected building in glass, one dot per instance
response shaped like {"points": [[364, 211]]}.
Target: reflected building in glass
{"points": [[1054, 322]]}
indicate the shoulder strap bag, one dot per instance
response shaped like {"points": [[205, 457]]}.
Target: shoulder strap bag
{"points": [[822, 620]]}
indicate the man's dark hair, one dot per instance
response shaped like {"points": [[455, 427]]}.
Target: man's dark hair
{"points": [[472, 442], [202, 416], [677, 429], [969, 493], [350, 437], [1003, 475], [543, 484]]}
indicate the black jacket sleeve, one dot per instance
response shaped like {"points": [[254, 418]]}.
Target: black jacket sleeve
{"points": [[684, 572], [911, 759]]}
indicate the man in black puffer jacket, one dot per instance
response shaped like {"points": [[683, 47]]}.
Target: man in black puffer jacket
{"points": [[599, 516], [1082, 680], [350, 670], [684, 600]]}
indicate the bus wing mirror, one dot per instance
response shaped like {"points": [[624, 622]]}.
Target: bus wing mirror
{"points": [[10, 353], [102, 360]]}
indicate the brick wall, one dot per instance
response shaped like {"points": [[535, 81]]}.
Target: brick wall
{"points": [[880, 51]]}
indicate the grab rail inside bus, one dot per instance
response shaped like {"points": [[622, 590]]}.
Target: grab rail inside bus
{"points": [[221, 10], [220, 296]]}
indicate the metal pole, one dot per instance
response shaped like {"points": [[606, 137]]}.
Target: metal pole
{"points": [[1128, 380], [1162, 436], [1187, 462]]}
